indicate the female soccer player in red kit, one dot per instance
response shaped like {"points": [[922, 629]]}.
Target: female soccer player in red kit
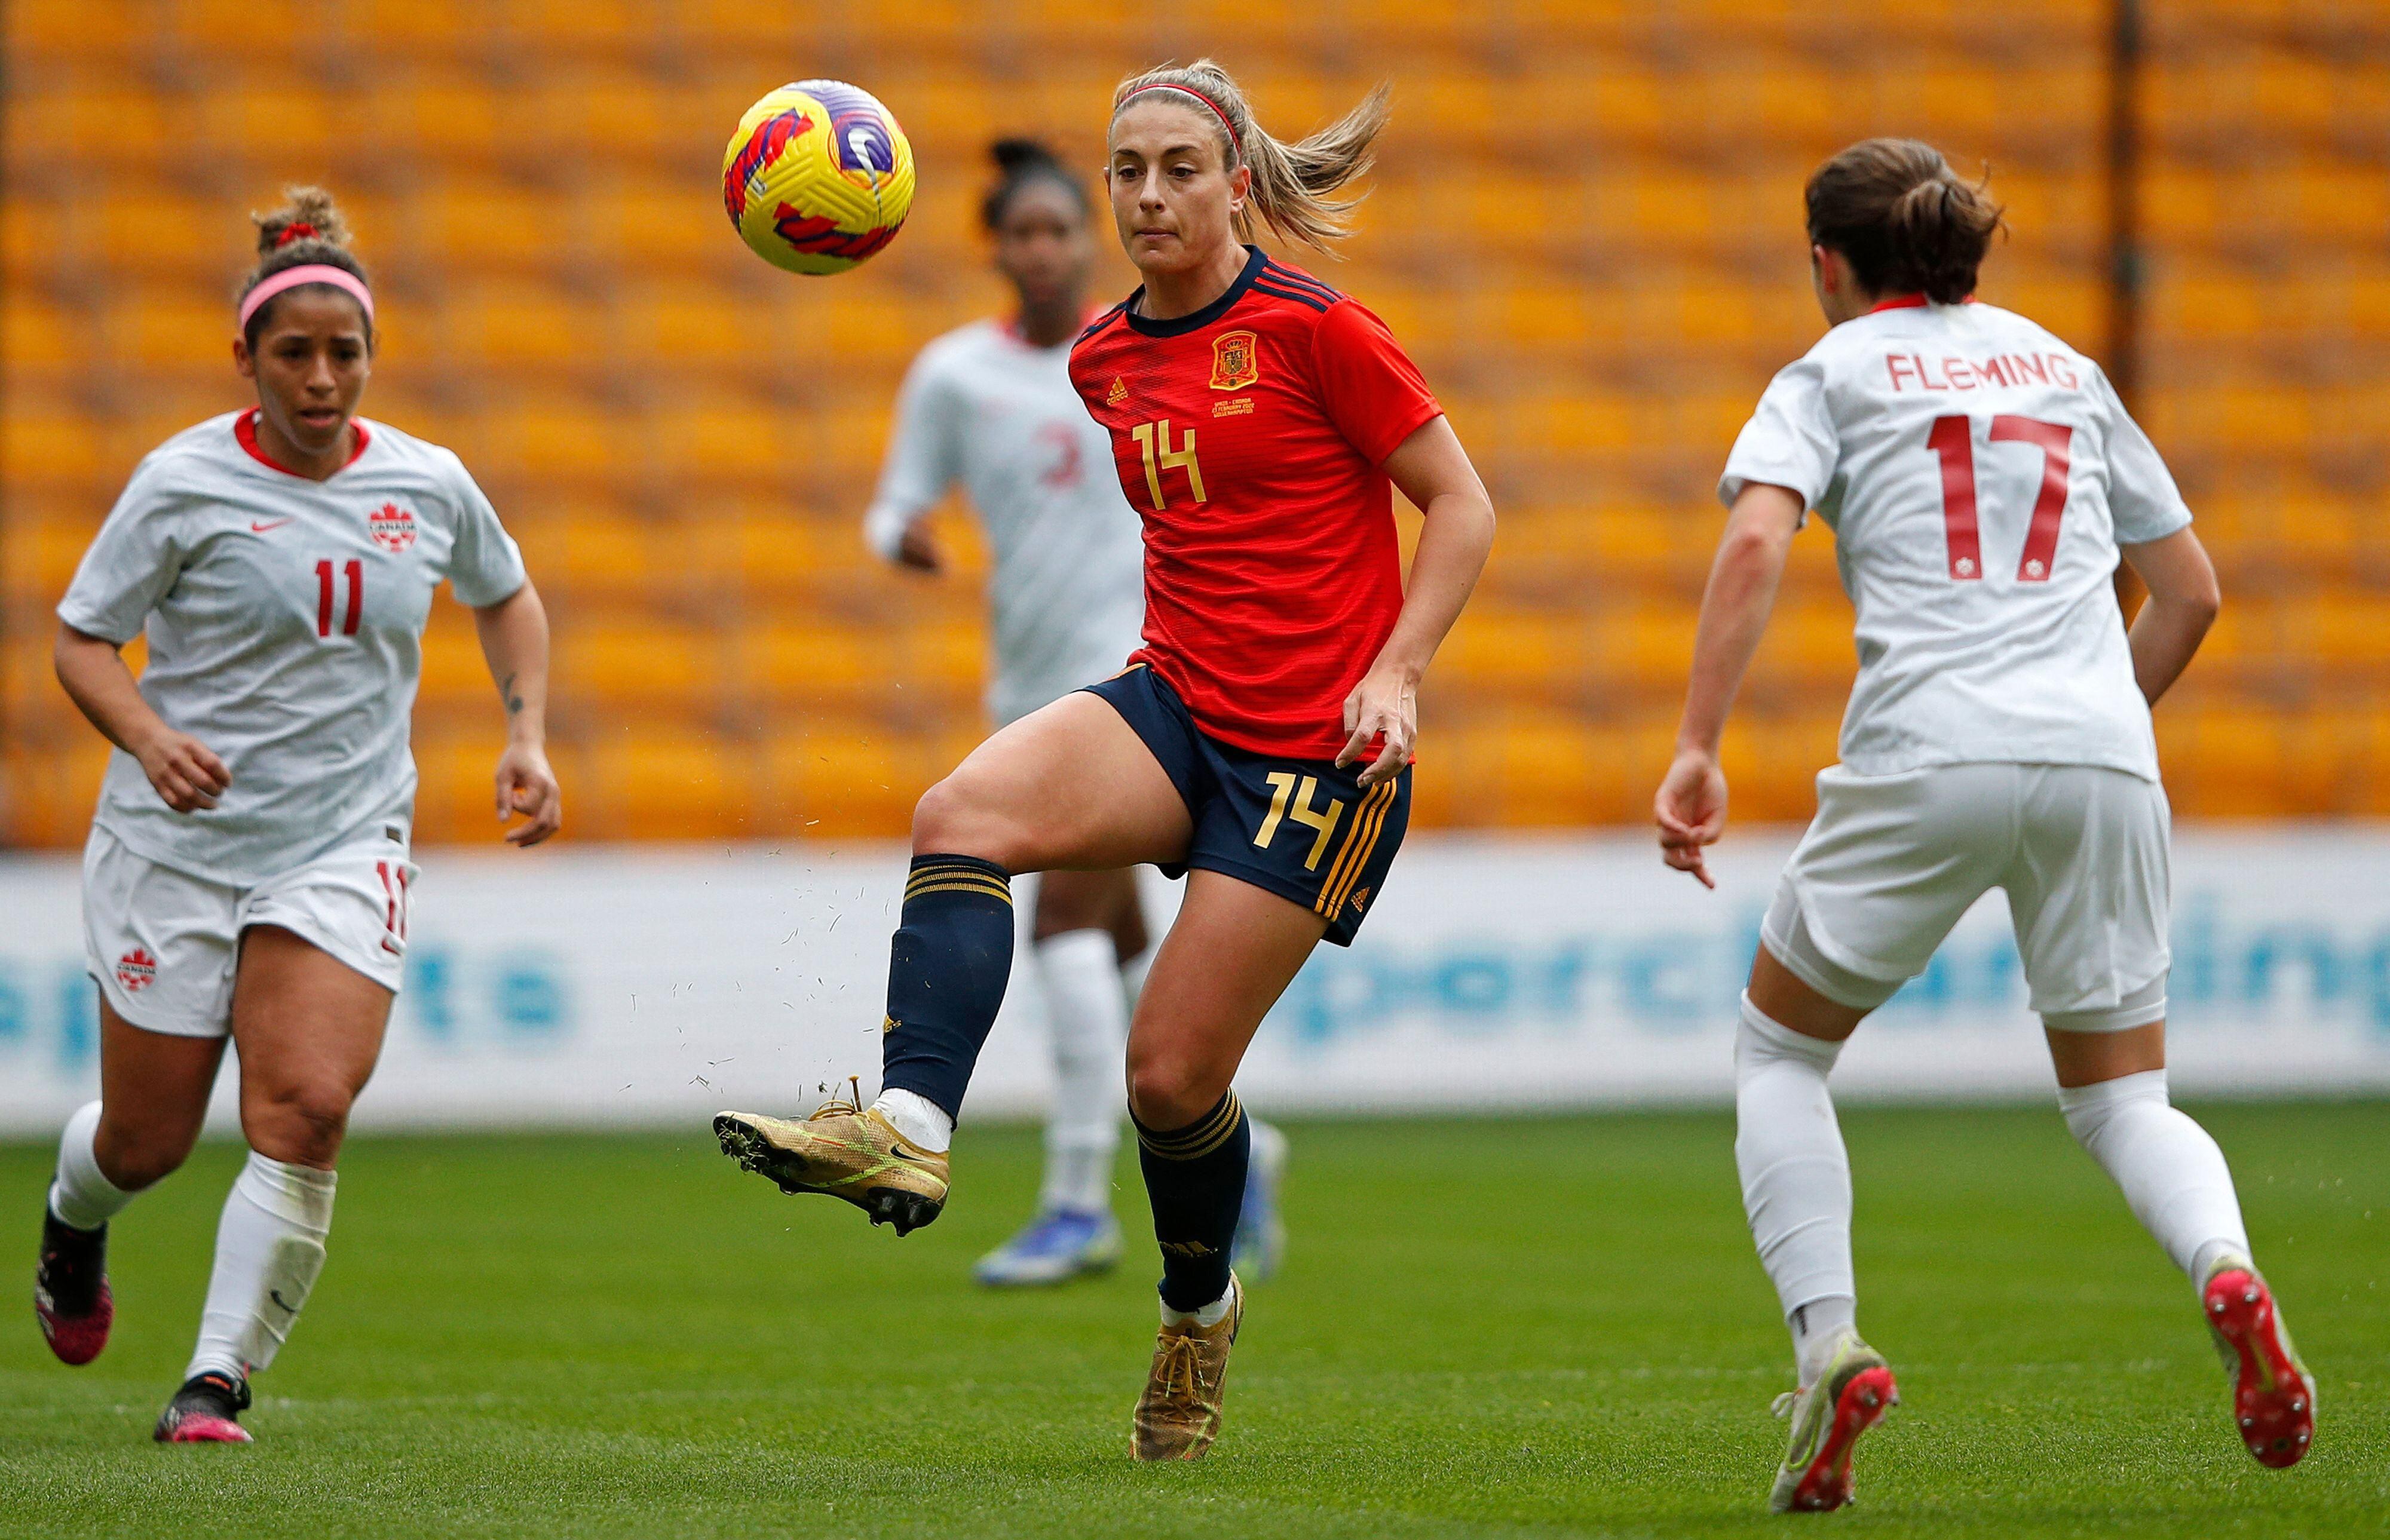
{"points": [[1260, 741]]}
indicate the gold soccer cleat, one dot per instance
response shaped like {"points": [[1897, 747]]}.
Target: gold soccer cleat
{"points": [[1178, 1416], [844, 1151]]}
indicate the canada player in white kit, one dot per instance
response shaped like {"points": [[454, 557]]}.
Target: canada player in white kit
{"points": [[1982, 479], [991, 407], [248, 874]]}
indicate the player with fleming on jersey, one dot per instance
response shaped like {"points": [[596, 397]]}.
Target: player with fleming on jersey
{"points": [[991, 405], [248, 872], [1260, 741], [1982, 479]]}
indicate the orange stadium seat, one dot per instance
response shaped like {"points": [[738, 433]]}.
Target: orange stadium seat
{"points": [[843, 781], [818, 663], [644, 783], [619, 663]]}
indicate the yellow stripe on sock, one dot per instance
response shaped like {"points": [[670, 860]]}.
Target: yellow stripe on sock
{"points": [[1189, 1144], [984, 886]]}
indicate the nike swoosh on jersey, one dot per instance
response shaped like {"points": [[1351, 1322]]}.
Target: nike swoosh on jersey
{"points": [[256, 528]]}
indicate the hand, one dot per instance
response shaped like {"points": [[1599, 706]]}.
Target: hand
{"points": [[527, 786], [1691, 810], [186, 772], [918, 550], [1386, 701]]}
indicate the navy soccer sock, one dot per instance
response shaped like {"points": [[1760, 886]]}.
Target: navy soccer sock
{"points": [[946, 972], [1195, 1177]]}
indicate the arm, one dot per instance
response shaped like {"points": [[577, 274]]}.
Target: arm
{"points": [[186, 772], [903, 538], [920, 465], [1434, 473], [1690, 807], [2182, 605], [514, 639]]}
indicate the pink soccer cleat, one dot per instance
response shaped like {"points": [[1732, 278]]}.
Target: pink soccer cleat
{"points": [[1849, 1397], [2273, 1394], [206, 1410], [71, 1297]]}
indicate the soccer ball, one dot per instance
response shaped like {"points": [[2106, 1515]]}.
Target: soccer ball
{"points": [[819, 177]]}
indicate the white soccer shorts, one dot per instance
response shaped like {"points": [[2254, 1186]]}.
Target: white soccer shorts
{"points": [[163, 945], [1892, 862]]}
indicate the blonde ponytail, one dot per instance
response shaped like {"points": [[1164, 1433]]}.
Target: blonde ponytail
{"points": [[1293, 184]]}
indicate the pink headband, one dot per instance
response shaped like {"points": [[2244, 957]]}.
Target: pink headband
{"points": [[292, 278], [1234, 143]]}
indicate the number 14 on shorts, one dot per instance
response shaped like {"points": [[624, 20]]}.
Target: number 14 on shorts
{"points": [[1291, 801], [1953, 439]]}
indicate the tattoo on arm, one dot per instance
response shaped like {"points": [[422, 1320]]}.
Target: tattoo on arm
{"points": [[507, 693]]}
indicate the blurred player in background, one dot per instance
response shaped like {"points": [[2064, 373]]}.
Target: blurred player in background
{"points": [[1982, 479], [1261, 740], [991, 405], [248, 872]]}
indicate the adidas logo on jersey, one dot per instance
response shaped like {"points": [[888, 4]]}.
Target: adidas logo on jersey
{"points": [[1118, 393]]}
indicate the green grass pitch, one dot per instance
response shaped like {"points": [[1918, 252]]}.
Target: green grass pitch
{"points": [[1513, 1328]]}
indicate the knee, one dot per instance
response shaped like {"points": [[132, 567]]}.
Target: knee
{"points": [[953, 818], [1167, 1091], [298, 1124], [134, 1158]]}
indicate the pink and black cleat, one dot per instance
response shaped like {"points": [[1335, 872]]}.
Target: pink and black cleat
{"points": [[1849, 1397], [71, 1297], [206, 1410], [2273, 1395]]}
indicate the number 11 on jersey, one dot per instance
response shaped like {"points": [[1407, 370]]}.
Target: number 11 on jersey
{"points": [[355, 571]]}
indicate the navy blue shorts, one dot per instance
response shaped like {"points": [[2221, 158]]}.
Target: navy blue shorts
{"points": [[1298, 827]]}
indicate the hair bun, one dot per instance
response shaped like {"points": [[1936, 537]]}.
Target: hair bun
{"points": [[307, 214], [1017, 155]]}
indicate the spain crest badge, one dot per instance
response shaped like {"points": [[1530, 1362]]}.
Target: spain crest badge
{"points": [[1236, 361]]}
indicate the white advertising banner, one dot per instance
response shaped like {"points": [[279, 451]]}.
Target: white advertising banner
{"points": [[655, 985]]}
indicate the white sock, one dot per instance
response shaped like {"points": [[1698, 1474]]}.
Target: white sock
{"points": [[80, 1195], [2172, 1173], [269, 1248], [1089, 1011], [922, 1120], [1797, 1179], [1211, 1315]]}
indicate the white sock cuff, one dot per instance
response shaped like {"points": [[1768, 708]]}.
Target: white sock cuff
{"points": [[922, 1120], [2100, 1099], [81, 1196], [1066, 945], [299, 1196], [1761, 1037]]}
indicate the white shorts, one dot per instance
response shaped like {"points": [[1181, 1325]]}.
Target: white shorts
{"points": [[163, 945], [1891, 862]]}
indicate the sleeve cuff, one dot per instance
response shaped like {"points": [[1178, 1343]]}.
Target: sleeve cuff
{"points": [[91, 624], [1423, 413]]}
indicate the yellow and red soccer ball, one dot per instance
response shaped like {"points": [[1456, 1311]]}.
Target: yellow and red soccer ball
{"points": [[818, 176]]}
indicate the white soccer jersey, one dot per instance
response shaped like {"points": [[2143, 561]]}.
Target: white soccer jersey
{"points": [[984, 407], [285, 621], [1979, 475]]}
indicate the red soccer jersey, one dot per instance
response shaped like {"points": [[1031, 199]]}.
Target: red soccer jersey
{"points": [[1249, 436]]}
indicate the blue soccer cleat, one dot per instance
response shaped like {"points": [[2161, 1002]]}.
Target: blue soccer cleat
{"points": [[1057, 1246], [1260, 1233]]}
